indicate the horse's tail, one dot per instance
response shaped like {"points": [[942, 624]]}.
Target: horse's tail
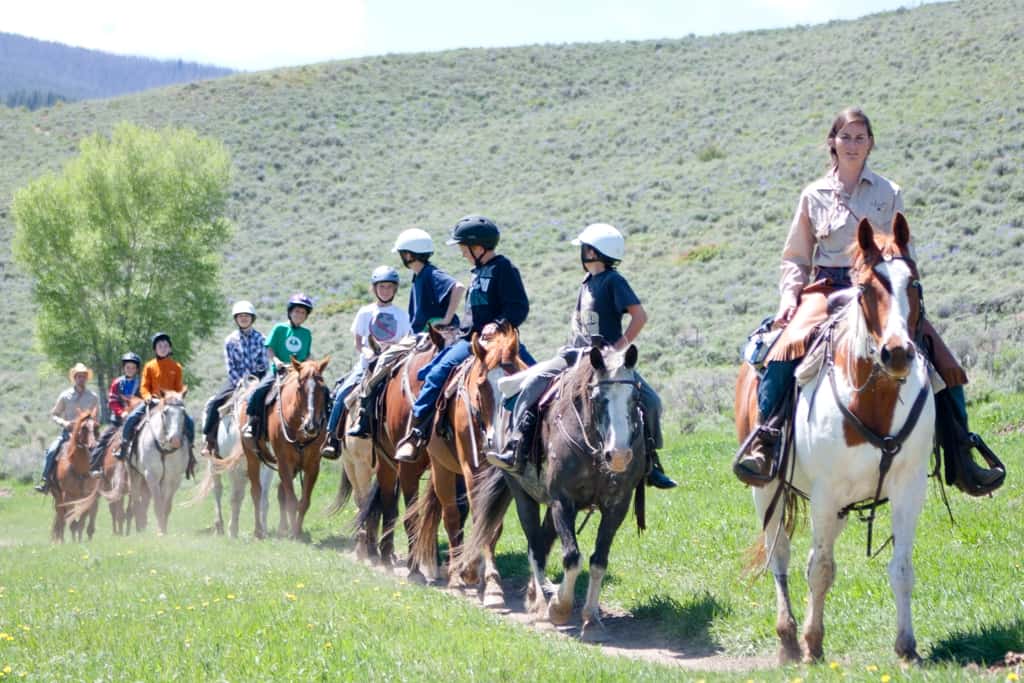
{"points": [[491, 499], [204, 488], [220, 466], [371, 507], [344, 493], [118, 485], [76, 509], [756, 556], [425, 517]]}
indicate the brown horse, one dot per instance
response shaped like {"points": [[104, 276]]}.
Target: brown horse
{"points": [[475, 403], [379, 504], [73, 481], [295, 433], [113, 486]]}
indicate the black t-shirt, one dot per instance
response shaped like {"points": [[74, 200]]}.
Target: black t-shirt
{"points": [[495, 293], [602, 301]]}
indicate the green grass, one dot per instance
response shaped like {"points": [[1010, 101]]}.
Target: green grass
{"points": [[196, 607]]}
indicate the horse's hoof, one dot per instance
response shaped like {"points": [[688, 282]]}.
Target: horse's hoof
{"points": [[219, 528], [495, 601], [593, 631], [558, 614], [416, 577]]}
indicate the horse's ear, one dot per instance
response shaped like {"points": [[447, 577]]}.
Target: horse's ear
{"points": [[184, 390], [631, 356], [866, 237], [322, 364], [596, 359], [900, 230], [296, 365], [160, 394], [478, 350]]}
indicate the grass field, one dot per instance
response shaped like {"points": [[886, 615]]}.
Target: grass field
{"points": [[192, 606]]}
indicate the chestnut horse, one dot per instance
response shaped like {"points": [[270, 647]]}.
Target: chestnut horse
{"points": [[295, 432], [474, 405], [862, 431], [113, 486], [73, 481], [594, 457]]}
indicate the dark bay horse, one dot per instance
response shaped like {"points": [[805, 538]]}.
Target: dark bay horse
{"points": [[295, 432], [475, 402], [862, 431], [73, 481], [593, 458]]}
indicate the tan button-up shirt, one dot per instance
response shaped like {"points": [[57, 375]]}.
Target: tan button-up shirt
{"points": [[825, 226], [70, 403]]}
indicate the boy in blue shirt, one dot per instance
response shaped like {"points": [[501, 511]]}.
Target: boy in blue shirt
{"points": [[434, 298], [496, 294], [604, 297]]}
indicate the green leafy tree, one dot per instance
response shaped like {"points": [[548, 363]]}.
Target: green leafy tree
{"points": [[124, 242]]}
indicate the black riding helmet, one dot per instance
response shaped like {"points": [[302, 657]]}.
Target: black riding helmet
{"points": [[476, 230], [132, 357], [158, 336]]}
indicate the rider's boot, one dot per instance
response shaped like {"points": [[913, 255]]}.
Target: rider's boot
{"points": [[513, 458], [754, 467], [330, 448], [96, 463], [957, 443], [361, 429], [419, 435], [657, 477], [251, 431], [210, 447]]}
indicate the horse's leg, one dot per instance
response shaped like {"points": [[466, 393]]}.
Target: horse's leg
{"points": [[218, 491], [91, 527], [409, 475], [821, 570], [387, 482], [142, 512], [156, 490], [238, 479], [611, 520], [265, 476], [528, 511], [311, 471], [256, 493], [906, 507], [563, 513], [775, 541], [444, 488]]}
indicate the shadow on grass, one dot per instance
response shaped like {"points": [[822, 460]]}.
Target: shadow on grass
{"points": [[339, 542], [984, 646], [688, 621]]}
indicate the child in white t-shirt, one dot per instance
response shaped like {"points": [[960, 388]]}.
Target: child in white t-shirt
{"points": [[382, 321]]}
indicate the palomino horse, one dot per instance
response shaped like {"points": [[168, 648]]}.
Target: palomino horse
{"points": [[230, 447], [378, 500], [862, 431], [73, 481], [594, 457], [158, 460], [475, 403], [295, 433]]}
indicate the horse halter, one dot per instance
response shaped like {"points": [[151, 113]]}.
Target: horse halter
{"points": [[163, 436], [310, 401], [594, 387]]}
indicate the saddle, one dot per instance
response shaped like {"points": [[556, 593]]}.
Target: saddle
{"points": [[443, 422]]}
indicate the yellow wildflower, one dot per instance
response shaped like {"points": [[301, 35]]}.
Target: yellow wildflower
{"points": [[886, 678], [230, 596], [290, 596]]}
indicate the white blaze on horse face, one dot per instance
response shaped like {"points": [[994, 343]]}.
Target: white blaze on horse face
{"points": [[308, 423], [618, 440], [173, 424], [896, 326]]}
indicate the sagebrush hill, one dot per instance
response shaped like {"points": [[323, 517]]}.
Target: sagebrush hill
{"points": [[696, 148]]}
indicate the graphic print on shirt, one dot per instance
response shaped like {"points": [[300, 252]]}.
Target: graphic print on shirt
{"points": [[293, 344], [586, 321], [384, 326]]}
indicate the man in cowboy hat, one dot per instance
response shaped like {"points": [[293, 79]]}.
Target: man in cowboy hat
{"points": [[71, 402]]}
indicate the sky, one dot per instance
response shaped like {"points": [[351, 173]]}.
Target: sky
{"points": [[252, 36]]}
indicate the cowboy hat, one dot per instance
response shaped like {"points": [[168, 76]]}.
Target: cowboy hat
{"points": [[79, 367]]}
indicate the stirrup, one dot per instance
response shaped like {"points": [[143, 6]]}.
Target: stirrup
{"points": [[414, 440], [506, 460], [975, 480], [749, 476], [331, 449]]}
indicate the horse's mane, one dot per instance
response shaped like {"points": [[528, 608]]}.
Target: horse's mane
{"points": [[575, 385]]}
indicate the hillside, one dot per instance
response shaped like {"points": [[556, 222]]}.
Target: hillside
{"points": [[29, 66], [697, 148]]}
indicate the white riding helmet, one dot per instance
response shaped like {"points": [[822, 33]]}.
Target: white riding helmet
{"points": [[414, 240], [604, 238], [243, 306]]}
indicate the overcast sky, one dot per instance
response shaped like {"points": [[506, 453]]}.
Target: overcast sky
{"points": [[253, 35]]}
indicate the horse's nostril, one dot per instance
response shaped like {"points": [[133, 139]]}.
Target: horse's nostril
{"points": [[886, 354]]}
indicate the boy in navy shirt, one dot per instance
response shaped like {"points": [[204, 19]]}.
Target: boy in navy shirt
{"points": [[433, 300], [603, 298], [496, 294]]}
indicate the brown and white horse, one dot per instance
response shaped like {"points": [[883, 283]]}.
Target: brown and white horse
{"points": [[295, 432], [862, 431]]}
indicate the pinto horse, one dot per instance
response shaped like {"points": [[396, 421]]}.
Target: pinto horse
{"points": [[375, 476], [158, 460], [862, 431], [295, 433], [475, 404], [73, 481], [594, 457]]}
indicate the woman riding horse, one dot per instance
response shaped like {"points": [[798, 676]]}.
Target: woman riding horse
{"points": [[816, 263]]}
